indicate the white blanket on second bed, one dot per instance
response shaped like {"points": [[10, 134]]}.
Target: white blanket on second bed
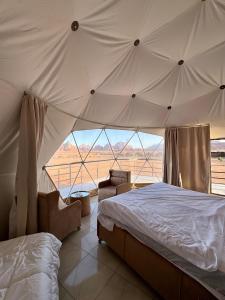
{"points": [[29, 267], [191, 224]]}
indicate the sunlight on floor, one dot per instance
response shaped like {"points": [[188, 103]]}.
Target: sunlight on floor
{"points": [[91, 271]]}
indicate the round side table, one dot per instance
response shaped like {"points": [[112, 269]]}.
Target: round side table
{"points": [[83, 196]]}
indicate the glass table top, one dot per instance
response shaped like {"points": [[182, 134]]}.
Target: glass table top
{"points": [[79, 194]]}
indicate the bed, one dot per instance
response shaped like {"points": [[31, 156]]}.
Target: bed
{"points": [[175, 232], [29, 267]]}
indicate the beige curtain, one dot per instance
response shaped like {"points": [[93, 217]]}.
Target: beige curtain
{"points": [[187, 158], [23, 215], [171, 157]]}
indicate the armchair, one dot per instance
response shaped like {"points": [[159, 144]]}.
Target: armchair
{"points": [[119, 182], [56, 217]]}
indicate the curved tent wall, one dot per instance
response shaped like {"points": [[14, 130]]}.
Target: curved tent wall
{"points": [[120, 64]]}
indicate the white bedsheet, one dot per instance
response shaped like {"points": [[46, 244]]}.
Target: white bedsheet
{"points": [[29, 267], [191, 224]]}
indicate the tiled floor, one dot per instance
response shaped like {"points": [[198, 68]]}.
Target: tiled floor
{"points": [[90, 271]]}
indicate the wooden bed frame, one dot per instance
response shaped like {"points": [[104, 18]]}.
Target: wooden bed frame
{"points": [[169, 281]]}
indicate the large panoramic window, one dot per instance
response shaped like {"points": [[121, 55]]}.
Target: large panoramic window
{"points": [[218, 166], [85, 157]]}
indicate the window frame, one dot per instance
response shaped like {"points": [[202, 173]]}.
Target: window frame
{"points": [[213, 193]]}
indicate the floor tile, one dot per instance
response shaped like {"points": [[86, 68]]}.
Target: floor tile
{"points": [[120, 289], [131, 276], [85, 240], [70, 255], [89, 222], [104, 254], [80, 233], [63, 294], [87, 279]]}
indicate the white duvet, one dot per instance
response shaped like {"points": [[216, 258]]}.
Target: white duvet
{"points": [[29, 267], [191, 224]]}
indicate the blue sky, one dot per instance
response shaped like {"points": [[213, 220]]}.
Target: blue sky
{"points": [[115, 136]]}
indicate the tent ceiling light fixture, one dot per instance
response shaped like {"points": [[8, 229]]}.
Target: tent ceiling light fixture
{"points": [[136, 42], [169, 107], [75, 25], [133, 95], [222, 87], [180, 62], [92, 92]]}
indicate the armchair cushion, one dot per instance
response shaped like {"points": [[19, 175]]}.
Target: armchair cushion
{"points": [[118, 173], [118, 176], [117, 180], [106, 192]]}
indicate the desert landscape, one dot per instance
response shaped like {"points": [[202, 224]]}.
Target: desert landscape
{"points": [[72, 166], [66, 165]]}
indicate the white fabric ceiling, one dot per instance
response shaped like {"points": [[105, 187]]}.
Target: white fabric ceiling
{"points": [[40, 53]]}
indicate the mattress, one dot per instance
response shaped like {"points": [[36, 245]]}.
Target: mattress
{"points": [[29, 267], [144, 239], [190, 224]]}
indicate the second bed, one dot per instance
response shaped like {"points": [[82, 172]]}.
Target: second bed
{"points": [[189, 224]]}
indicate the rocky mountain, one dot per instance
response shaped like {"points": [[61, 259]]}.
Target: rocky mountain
{"points": [[116, 147], [218, 146], [67, 146]]}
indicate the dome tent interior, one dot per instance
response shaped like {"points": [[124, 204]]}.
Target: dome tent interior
{"points": [[123, 101], [108, 64]]}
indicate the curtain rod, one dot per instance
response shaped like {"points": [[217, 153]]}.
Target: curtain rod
{"points": [[105, 125], [188, 126], [120, 126], [100, 123]]}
